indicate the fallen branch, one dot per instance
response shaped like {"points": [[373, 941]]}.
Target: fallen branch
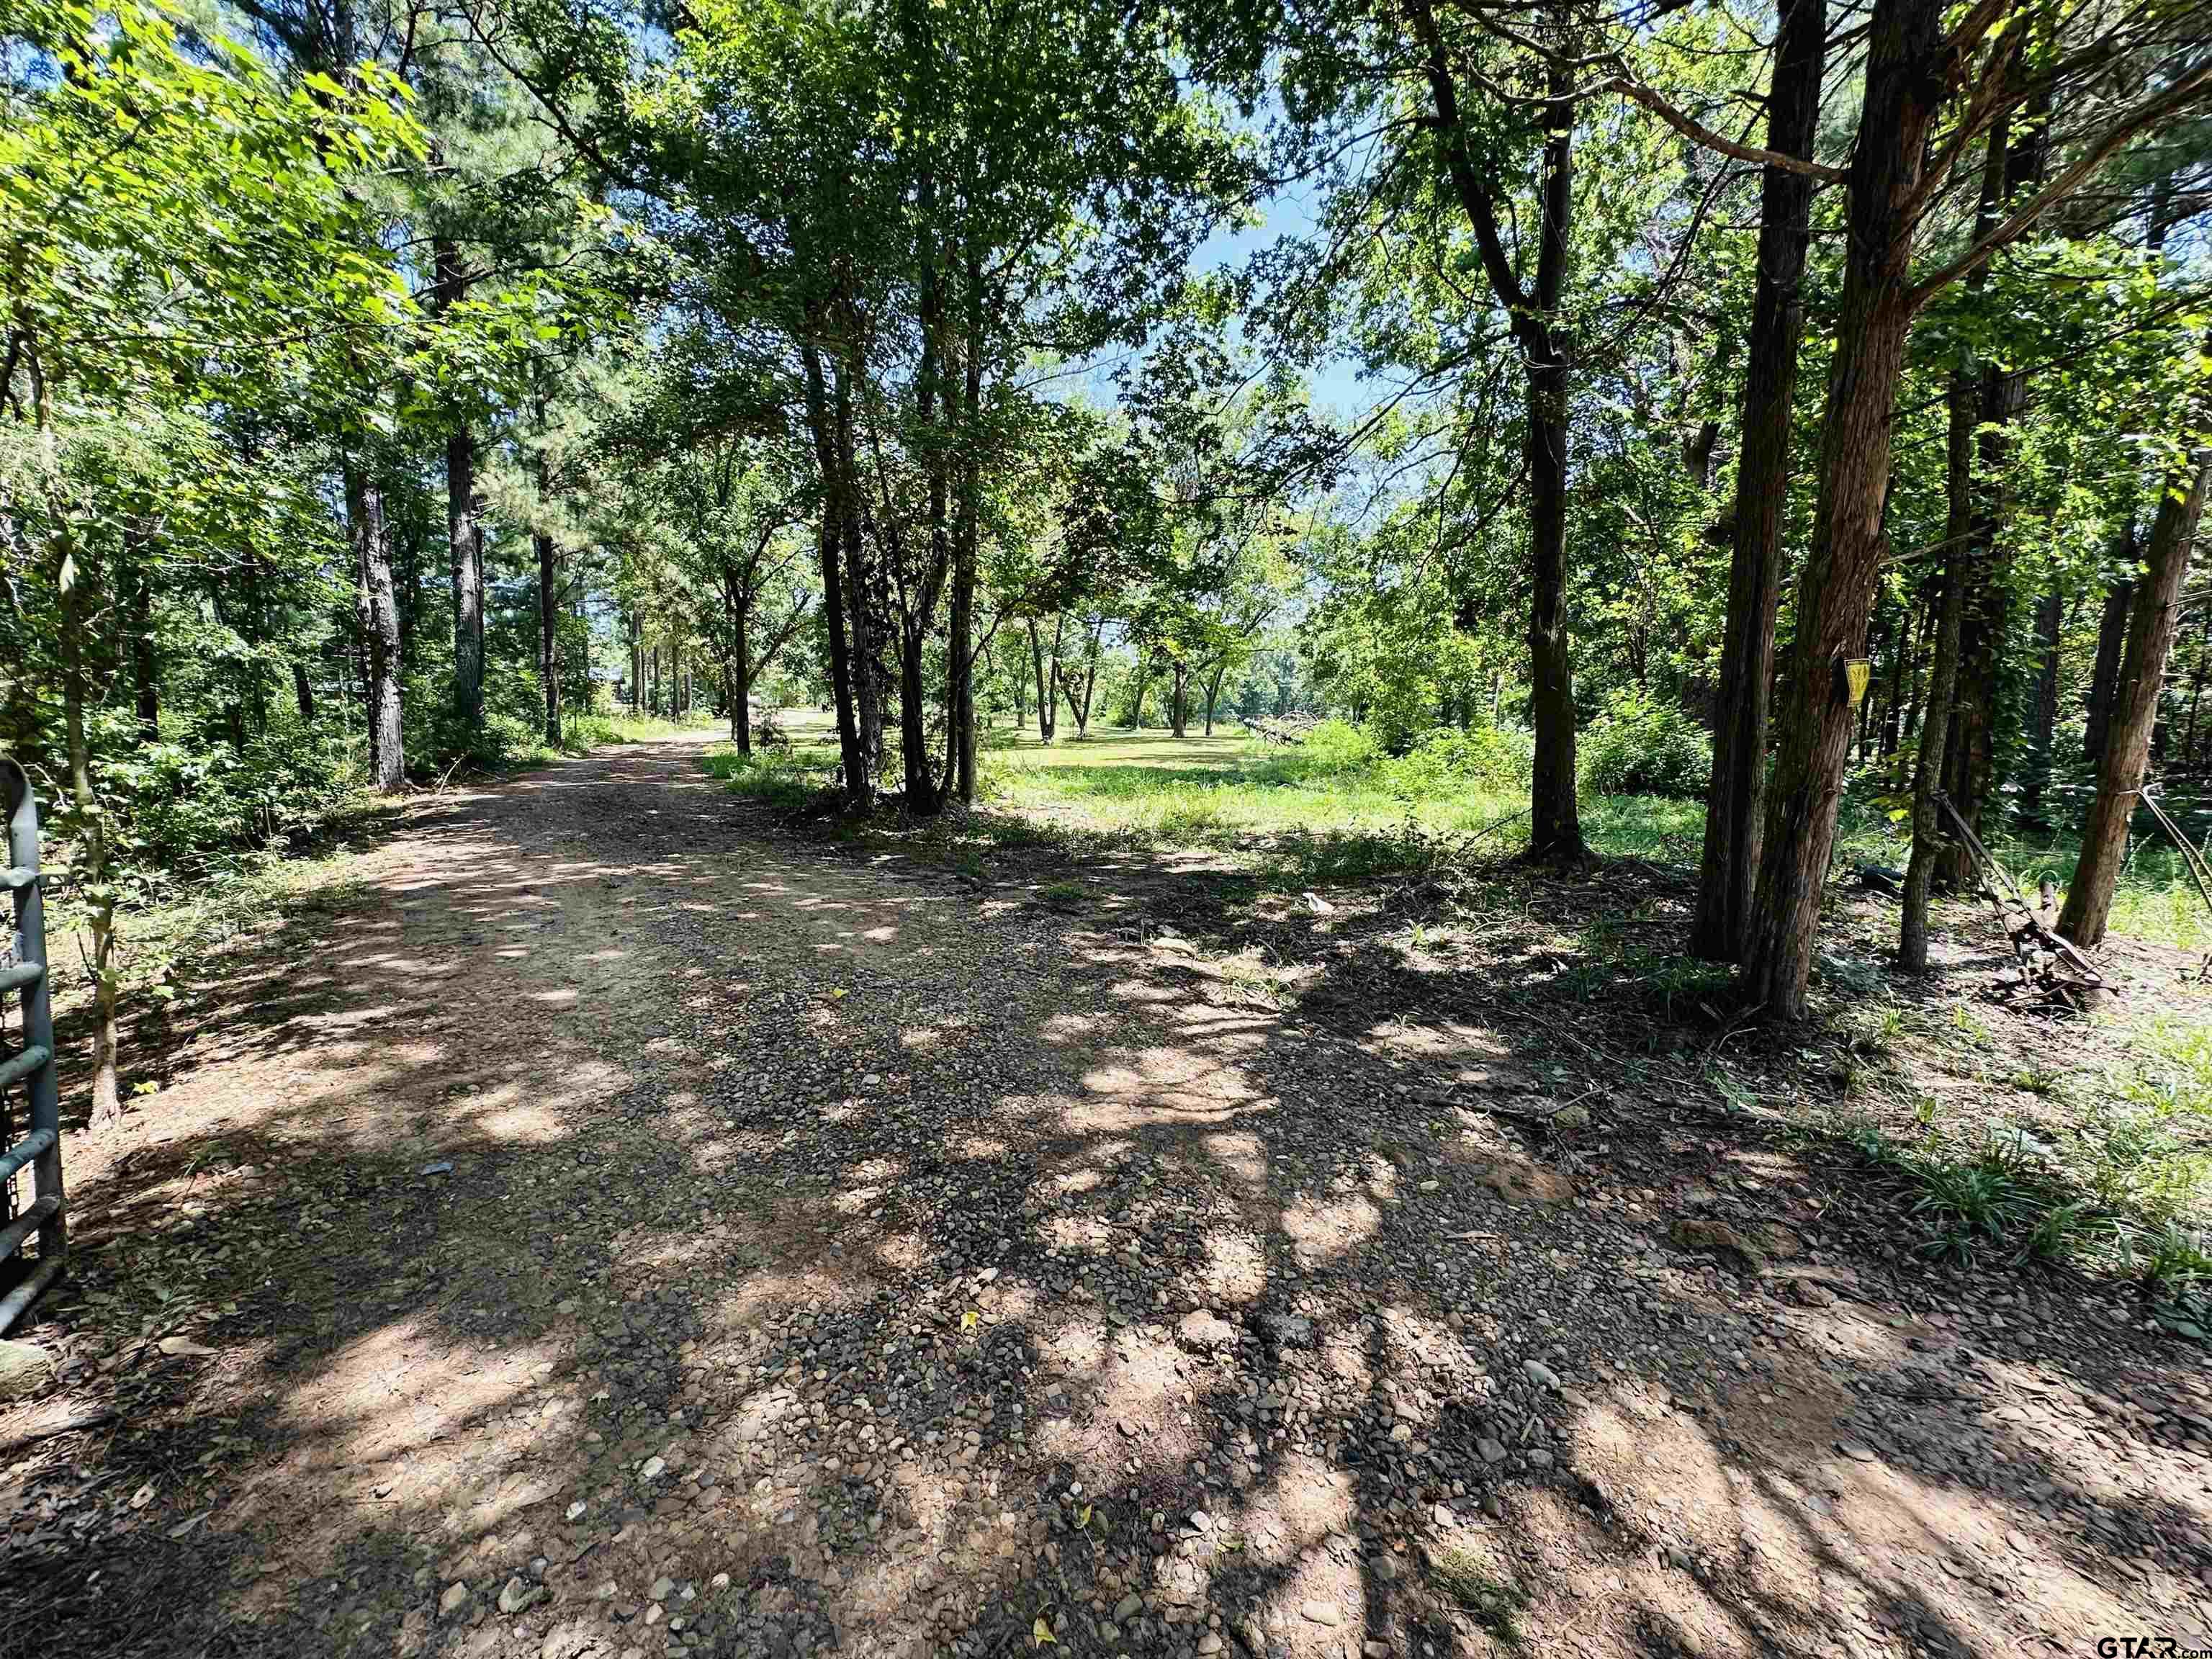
{"points": [[2032, 921], [26, 1438]]}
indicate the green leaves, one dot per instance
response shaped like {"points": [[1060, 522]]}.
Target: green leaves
{"points": [[161, 204]]}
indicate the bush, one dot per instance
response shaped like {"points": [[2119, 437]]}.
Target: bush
{"points": [[196, 809], [1639, 747], [1338, 745], [1496, 759]]}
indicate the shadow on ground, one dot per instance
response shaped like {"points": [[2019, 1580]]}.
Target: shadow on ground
{"points": [[608, 1227]]}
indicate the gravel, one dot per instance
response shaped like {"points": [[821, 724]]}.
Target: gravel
{"points": [[883, 1260]]}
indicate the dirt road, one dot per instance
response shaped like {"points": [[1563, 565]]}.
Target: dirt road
{"points": [[597, 1225]]}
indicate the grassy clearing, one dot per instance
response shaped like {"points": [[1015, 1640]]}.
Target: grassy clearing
{"points": [[582, 733], [1328, 811], [1312, 818]]}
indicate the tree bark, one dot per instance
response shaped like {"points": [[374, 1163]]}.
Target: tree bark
{"points": [[1213, 695], [463, 517], [1555, 818], [379, 617], [1972, 763], [1046, 676], [1090, 683], [1935, 764], [1555, 832], [960, 695], [303, 692], [2196, 696], [465, 557], [549, 631], [923, 797], [740, 671], [829, 456], [1835, 590], [867, 681], [1728, 867], [2112, 637], [2049, 616], [2151, 627], [1928, 838], [1900, 654]]}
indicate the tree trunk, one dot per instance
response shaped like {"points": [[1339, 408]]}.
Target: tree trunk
{"points": [[2135, 705], [2013, 169], [1913, 705], [1137, 703], [1728, 867], [1089, 684], [1555, 818], [1900, 654], [923, 797], [1047, 675], [637, 666], [960, 694], [463, 514], [379, 617], [1177, 710], [1213, 695], [2196, 697], [740, 680], [867, 681], [1903, 91], [829, 456], [1934, 769], [1867, 706], [549, 629], [303, 692], [2111, 637], [465, 556], [917, 602], [1929, 837], [1555, 831], [2050, 615]]}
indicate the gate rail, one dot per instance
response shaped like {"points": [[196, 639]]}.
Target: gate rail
{"points": [[27, 1069]]}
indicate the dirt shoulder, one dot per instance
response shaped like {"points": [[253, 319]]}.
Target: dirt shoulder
{"points": [[603, 1225]]}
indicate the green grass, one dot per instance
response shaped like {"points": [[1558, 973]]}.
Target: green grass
{"points": [[2125, 1187], [581, 733], [1494, 1605], [1232, 793], [1344, 812]]}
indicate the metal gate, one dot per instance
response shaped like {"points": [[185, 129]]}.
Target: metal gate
{"points": [[30, 1096]]}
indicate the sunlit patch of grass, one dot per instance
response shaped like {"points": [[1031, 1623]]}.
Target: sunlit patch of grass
{"points": [[788, 779], [584, 733], [1345, 811]]}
